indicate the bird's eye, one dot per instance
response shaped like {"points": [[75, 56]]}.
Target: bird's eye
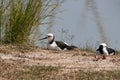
{"points": [[48, 36]]}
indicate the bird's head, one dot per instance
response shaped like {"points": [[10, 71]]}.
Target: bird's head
{"points": [[50, 37], [103, 44]]}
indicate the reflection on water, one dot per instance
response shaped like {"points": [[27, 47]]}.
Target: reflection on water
{"points": [[84, 30]]}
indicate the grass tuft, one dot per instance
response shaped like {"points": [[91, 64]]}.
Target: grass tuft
{"points": [[28, 72], [101, 75], [21, 18]]}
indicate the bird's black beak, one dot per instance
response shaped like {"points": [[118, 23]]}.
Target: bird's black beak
{"points": [[43, 38]]}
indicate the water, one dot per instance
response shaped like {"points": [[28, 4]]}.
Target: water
{"points": [[81, 24]]}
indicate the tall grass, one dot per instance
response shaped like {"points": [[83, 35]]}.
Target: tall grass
{"points": [[20, 18]]}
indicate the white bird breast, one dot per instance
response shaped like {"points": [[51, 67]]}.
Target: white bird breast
{"points": [[53, 46], [105, 51]]}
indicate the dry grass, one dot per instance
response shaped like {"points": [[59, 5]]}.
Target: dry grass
{"points": [[39, 64]]}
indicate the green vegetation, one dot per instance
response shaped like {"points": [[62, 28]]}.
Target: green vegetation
{"points": [[98, 75], [21, 18], [51, 73], [29, 73]]}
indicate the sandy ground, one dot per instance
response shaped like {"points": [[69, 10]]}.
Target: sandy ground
{"points": [[68, 61]]}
